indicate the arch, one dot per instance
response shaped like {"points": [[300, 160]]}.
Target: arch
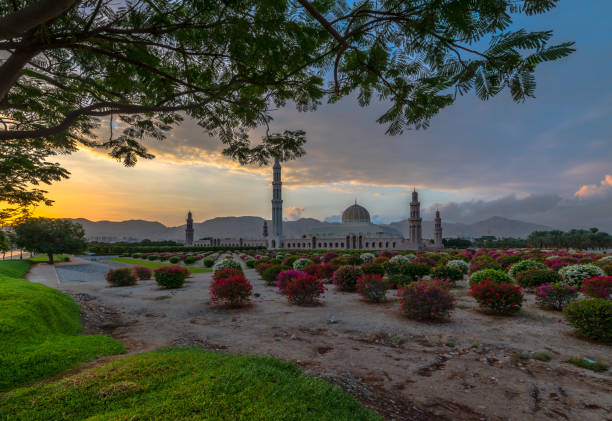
{"points": [[360, 242]]}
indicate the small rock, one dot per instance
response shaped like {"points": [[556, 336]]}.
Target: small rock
{"points": [[332, 320], [293, 336]]}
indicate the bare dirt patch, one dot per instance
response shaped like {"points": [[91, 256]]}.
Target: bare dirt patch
{"points": [[474, 367]]}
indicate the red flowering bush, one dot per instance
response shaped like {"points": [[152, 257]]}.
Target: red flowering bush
{"points": [[483, 261], [143, 272], [345, 278], [233, 291], [121, 277], [597, 287], [283, 278], [372, 287], [261, 266], [226, 273], [304, 289], [171, 276], [501, 298], [426, 300]]}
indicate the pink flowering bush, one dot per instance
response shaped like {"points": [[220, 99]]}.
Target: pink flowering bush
{"points": [[426, 300], [372, 287], [345, 278], [226, 273], [597, 287], [171, 276], [121, 277], [304, 289], [143, 272], [504, 298], [555, 296], [232, 291], [283, 278]]}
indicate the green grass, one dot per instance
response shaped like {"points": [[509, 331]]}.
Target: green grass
{"points": [[186, 384], [541, 356], [581, 362], [154, 265], [39, 330], [43, 258]]}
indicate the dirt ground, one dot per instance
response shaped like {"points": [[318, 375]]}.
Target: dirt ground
{"points": [[467, 369]]}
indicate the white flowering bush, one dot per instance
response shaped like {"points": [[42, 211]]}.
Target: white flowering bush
{"points": [[226, 264], [367, 257], [524, 266], [553, 257], [401, 259], [605, 259], [300, 264], [574, 275], [462, 265]]}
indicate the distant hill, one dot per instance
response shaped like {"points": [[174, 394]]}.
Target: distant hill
{"points": [[251, 227]]}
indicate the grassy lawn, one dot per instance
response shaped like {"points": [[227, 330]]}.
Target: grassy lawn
{"points": [[43, 258], [39, 330], [154, 264], [185, 383]]}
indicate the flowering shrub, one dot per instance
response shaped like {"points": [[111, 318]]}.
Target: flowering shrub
{"points": [[597, 287], [373, 269], [503, 298], [226, 273], [494, 275], [426, 300], [304, 289], [535, 277], [483, 261], [285, 276], [575, 274], [560, 261], [208, 262], [300, 264], [381, 260], [189, 260], [250, 263], [398, 280], [372, 287], [288, 261], [227, 264], [554, 296], [385, 253], [153, 257], [506, 260], [606, 266], [367, 257], [233, 291], [401, 259], [270, 273], [524, 266], [459, 264], [592, 318], [174, 259], [121, 277], [447, 272], [261, 266], [171, 276], [143, 272], [327, 257], [345, 278]]}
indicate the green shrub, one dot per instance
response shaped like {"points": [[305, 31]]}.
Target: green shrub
{"points": [[121, 277], [591, 317], [399, 280], [447, 272], [588, 364], [372, 288], [415, 270], [536, 277], [190, 260], [174, 259], [373, 269], [345, 278], [171, 276], [300, 264], [208, 262], [462, 265], [287, 261], [250, 263], [525, 266], [153, 257], [574, 275], [269, 274], [494, 275], [541, 356], [507, 260]]}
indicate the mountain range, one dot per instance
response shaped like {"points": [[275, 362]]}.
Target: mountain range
{"points": [[250, 227]]}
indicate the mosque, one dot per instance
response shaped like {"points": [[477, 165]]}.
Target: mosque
{"points": [[356, 232]]}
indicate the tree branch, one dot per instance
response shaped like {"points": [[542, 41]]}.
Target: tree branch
{"points": [[18, 23]]}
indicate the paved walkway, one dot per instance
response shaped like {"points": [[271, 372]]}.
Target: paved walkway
{"points": [[45, 274]]}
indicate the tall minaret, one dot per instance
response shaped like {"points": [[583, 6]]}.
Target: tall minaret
{"points": [[415, 221], [189, 230], [438, 231], [277, 208]]}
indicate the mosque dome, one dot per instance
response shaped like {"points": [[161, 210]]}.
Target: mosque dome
{"points": [[355, 214]]}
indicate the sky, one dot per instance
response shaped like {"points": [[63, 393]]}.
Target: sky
{"points": [[548, 160]]}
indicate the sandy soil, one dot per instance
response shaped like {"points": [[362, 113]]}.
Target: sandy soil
{"points": [[465, 369]]}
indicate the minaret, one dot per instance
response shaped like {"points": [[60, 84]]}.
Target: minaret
{"points": [[415, 221], [189, 230], [277, 208], [438, 231]]}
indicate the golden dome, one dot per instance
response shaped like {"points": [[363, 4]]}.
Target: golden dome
{"points": [[355, 214]]}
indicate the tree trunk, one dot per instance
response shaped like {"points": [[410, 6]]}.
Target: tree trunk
{"points": [[50, 258]]}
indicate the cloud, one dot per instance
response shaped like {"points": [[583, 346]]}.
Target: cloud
{"points": [[294, 213], [590, 190]]}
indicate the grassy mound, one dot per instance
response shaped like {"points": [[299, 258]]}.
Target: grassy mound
{"points": [[154, 265], [186, 383], [39, 330]]}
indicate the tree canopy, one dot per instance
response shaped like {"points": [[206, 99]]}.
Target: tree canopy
{"points": [[50, 236], [109, 75]]}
